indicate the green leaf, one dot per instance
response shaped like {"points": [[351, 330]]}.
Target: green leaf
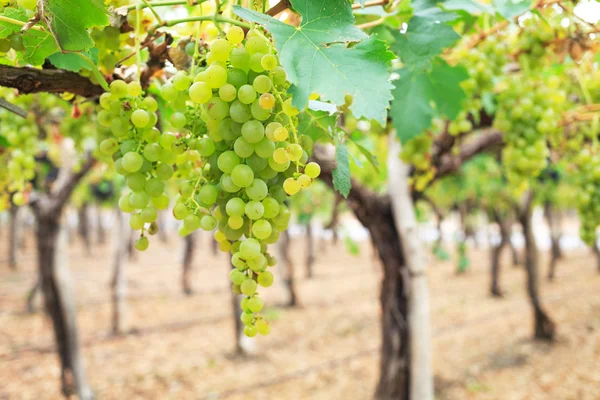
{"points": [[317, 58], [38, 46], [430, 9], [421, 95], [316, 124], [341, 172], [512, 8], [368, 155], [6, 28], [69, 61], [424, 39], [4, 142], [70, 20], [469, 6]]}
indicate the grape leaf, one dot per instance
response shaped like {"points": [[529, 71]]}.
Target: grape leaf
{"points": [[4, 141], [316, 124], [72, 61], [423, 40], [421, 95], [317, 59], [6, 28], [368, 155], [511, 8], [70, 20], [430, 9], [469, 6], [341, 172], [38, 46]]}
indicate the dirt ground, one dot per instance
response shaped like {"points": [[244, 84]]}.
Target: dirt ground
{"points": [[180, 347]]}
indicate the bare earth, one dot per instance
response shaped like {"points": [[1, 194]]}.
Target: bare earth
{"points": [[181, 347]]}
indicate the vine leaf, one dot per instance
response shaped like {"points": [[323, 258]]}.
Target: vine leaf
{"points": [[371, 158], [341, 172], [424, 39], [70, 19], [72, 61], [317, 58], [6, 28], [421, 95], [510, 8], [316, 124]]}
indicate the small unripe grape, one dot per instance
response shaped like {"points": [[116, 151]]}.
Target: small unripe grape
{"points": [[180, 211], [268, 62], [118, 89], [237, 277], [280, 157], [142, 243], [281, 134], [248, 287], [263, 327], [304, 180], [178, 120], [132, 162], [150, 104], [291, 186], [250, 331], [235, 35], [262, 84], [312, 169], [200, 92], [134, 89], [255, 304], [140, 118], [208, 223], [265, 279], [135, 222]]}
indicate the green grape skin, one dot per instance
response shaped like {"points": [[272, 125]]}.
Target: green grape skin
{"points": [[255, 62], [200, 92], [242, 148], [125, 205], [258, 112], [139, 199], [136, 181], [235, 35], [250, 331], [254, 210], [268, 62], [228, 92], [217, 108], [265, 279], [262, 84], [262, 229], [237, 78], [135, 222], [140, 118], [142, 243], [235, 207], [264, 148], [271, 207], [255, 304], [180, 211], [239, 112], [191, 222], [247, 317], [208, 194], [246, 94], [240, 59], [253, 131], [263, 327], [132, 162], [164, 172], [258, 190], [237, 277], [227, 161], [216, 76], [242, 175], [148, 214], [248, 287], [161, 202]]}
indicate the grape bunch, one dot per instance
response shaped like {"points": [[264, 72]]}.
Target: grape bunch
{"points": [[236, 151], [529, 113], [586, 170], [142, 154]]}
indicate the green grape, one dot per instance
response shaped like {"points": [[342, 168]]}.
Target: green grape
{"points": [[264, 148], [221, 49], [180, 211], [293, 152], [118, 89], [140, 118], [181, 81], [136, 181], [227, 161], [132, 162], [208, 194], [206, 147], [235, 35], [278, 75], [237, 277], [235, 207], [270, 130], [164, 172], [134, 89], [242, 175], [191, 222], [217, 108], [255, 304], [216, 76], [135, 222], [139, 199], [240, 59], [154, 187], [200, 92], [178, 120], [152, 152], [304, 181], [247, 317], [168, 92], [16, 42], [262, 84], [258, 190], [161, 202], [237, 78], [4, 46], [271, 207], [258, 112], [239, 112], [265, 279], [235, 222], [262, 229], [150, 104], [242, 148], [257, 163], [148, 214], [125, 205], [268, 62], [142, 243], [250, 331], [228, 92], [255, 62], [109, 146], [266, 101], [228, 185], [254, 210], [246, 94], [253, 131], [256, 44], [248, 286]]}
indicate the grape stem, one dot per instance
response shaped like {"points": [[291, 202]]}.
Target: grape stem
{"points": [[158, 18], [164, 4], [20, 23], [216, 18]]}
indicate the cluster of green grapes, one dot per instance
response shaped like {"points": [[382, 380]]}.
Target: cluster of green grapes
{"points": [[484, 63], [536, 36], [142, 154], [586, 166], [417, 153], [529, 114], [236, 150], [18, 159]]}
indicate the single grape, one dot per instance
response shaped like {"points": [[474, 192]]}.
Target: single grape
{"points": [[216, 76], [255, 304], [242, 148], [140, 118], [228, 92], [262, 84], [250, 331], [262, 229], [265, 279], [228, 161], [148, 214], [235, 35], [180, 211], [312, 169], [142, 243], [268, 62], [266, 101], [248, 286], [291, 186], [254, 210], [134, 89], [281, 134], [135, 222], [258, 190], [235, 222], [304, 180], [200, 92], [237, 277], [235, 207], [253, 131], [132, 162], [242, 175], [246, 94], [208, 194]]}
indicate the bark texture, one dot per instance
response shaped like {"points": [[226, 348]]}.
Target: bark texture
{"points": [[554, 225], [503, 228], [310, 250], [544, 327], [83, 229]]}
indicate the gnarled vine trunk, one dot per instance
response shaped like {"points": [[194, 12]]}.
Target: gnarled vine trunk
{"points": [[84, 227], [59, 302], [553, 219], [100, 230], [375, 213], [544, 327], [502, 223], [188, 257]]}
